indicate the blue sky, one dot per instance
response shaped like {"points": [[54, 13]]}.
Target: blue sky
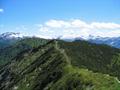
{"points": [[21, 13]]}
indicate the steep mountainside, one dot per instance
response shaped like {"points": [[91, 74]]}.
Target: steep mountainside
{"points": [[21, 46], [58, 65]]}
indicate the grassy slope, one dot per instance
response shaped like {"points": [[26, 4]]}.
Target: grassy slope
{"points": [[98, 58], [49, 68], [22, 46]]}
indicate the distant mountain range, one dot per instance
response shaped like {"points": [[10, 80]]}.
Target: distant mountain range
{"points": [[10, 35], [111, 41], [9, 38]]}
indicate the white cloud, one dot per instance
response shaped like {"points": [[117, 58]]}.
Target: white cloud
{"points": [[71, 29], [78, 28], [57, 24], [1, 10], [105, 25]]}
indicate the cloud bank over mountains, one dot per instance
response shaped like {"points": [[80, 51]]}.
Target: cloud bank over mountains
{"points": [[69, 29], [77, 28]]}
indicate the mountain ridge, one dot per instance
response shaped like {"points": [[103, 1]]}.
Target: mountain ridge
{"points": [[49, 67]]}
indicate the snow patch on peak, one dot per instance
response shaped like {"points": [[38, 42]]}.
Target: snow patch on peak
{"points": [[11, 35]]}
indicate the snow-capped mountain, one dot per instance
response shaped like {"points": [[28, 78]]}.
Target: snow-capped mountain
{"points": [[10, 35], [112, 41], [9, 38]]}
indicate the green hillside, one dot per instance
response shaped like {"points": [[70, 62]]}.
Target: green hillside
{"points": [[98, 58], [21, 46], [6, 43], [59, 65]]}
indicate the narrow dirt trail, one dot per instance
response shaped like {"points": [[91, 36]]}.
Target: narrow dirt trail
{"points": [[117, 80], [62, 51]]}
